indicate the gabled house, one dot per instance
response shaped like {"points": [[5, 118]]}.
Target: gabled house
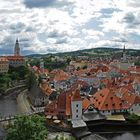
{"points": [[111, 101], [67, 106], [88, 107], [58, 79]]}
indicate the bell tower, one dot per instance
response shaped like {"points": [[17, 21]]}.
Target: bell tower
{"points": [[124, 53], [17, 48]]}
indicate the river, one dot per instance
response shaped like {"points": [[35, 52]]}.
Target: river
{"points": [[126, 136], [9, 106]]}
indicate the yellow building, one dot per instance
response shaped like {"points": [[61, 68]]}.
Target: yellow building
{"points": [[4, 65]]}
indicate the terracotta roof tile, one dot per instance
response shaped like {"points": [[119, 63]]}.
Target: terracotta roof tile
{"points": [[110, 99], [85, 103], [76, 95], [59, 75]]}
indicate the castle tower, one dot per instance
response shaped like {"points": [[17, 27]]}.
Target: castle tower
{"points": [[17, 49]]}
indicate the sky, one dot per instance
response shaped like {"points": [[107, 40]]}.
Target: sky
{"points": [[50, 26]]}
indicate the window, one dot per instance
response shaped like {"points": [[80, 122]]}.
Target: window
{"points": [[77, 105], [113, 104], [76, 116], [106, 104], [77, 110], [90, 109]]}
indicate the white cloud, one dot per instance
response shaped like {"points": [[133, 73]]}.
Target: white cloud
{"points": [[61, 25]]}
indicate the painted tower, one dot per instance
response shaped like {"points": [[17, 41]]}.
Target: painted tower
{"points": [[76, 105], [17, 49]]}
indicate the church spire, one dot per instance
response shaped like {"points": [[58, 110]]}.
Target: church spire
{"points": [[124, 48], [17, 40], [124, 53]]}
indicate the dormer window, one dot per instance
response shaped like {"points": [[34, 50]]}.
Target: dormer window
{"points": [[113, 104], [120, 104], [106, 104], [111, 98]]}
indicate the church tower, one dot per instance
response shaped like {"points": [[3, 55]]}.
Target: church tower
{"points": [[124, 54], [17, 49]]}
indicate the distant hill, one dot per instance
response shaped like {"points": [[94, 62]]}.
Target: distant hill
{"points": [[93, 52]]}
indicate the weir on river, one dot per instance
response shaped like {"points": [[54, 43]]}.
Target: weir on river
{"points": [[12, 117]]}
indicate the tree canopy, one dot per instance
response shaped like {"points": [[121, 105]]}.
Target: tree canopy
{"points": [[28, 128]]}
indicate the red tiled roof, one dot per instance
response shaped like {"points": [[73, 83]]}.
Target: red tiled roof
{"points": [[137, 100], [3, 59], [51, 109], [59, 75], [85, 103], [76, 95], [137, 80], [110, 99], [68, 104], [20, 58]]}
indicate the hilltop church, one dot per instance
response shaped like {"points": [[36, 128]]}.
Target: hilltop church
{"points": [[124, 64]]}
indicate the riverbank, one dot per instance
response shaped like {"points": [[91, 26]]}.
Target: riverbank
{"points": [[23, 103], [10, 106]]}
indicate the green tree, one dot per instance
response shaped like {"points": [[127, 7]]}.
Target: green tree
{"points": [[133, 118], [137, 63], [84, 67], [78, 68], [18, 72], [30, 80], [27, 128], [14, 76], [5, 80], [68, 60]]}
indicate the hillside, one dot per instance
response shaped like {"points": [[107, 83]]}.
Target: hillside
{"points": [[93, 52]]}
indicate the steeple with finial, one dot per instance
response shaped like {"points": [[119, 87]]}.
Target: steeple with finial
{"points": [[124, 53], [17, 48]]}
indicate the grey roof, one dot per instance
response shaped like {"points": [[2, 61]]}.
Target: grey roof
{"points": [[78, 123], [92, 116]]}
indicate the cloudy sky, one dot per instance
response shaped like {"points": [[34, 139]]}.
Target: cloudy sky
{"points": [[49, 26]]}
